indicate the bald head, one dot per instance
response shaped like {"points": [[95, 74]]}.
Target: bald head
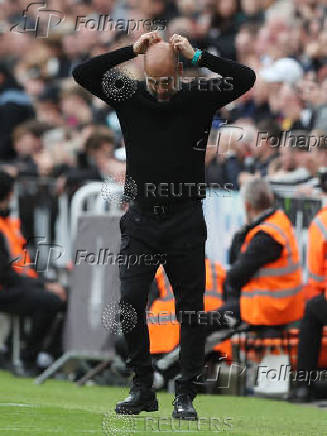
{"points": [[160, 60], [162, 70]]}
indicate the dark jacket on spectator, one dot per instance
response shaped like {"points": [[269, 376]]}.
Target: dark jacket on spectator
{"points": [[262, 249], [15, 108]]}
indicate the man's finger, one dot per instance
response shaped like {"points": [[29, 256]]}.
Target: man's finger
{"points": [[175, 36], [154, 38], [155, 35], [179, 44]]}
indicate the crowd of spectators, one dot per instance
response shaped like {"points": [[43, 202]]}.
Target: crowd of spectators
{"points": [[50, 127]]}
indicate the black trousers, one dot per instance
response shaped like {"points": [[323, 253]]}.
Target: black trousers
{"points": [[29, 298], [177, 240], [315, 317]]}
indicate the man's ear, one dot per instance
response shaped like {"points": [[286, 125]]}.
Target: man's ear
{"points": [[247, 206]]}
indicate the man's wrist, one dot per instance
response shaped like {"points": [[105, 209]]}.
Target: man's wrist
{"points": [[191, 55], [197, 56]]}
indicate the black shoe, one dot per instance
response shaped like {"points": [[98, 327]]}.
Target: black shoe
{"points": [[301, 394], [183, 408], [138, 400]]}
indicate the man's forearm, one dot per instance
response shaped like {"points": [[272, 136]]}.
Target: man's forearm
{"points": [[262, 250], [243, 77], [89, 74], [226, 67]]}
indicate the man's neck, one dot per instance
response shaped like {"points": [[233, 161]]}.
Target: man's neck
{"points": [[261, 214]]}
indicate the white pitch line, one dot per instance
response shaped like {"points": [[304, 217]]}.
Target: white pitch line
{"points": [[42, 429], [66, 407], [18, 405]]}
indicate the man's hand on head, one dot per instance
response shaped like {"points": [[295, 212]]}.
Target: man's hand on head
{"points": [[182, 45], [143, 43]]}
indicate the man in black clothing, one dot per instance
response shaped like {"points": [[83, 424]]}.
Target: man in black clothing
{"points": [[165, 127], [310, 339]]}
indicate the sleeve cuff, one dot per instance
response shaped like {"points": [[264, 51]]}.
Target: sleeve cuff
{"points": [[204, 58], [130, 51]]}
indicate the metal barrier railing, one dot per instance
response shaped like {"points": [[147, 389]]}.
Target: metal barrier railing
{"points": [[54, 219]]}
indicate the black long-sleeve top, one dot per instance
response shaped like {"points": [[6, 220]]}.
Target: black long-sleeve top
{"points": [[261, 250], [166, 141], [8, 276]]}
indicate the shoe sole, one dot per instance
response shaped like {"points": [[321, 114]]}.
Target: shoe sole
{"points": [[177, 415], [149, 407]]}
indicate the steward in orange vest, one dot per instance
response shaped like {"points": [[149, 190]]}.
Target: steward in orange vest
{"points": [[163, 327], [162, 324], [266, 273], [315, 314], [273, 295], [15, 244], [317, 255]]}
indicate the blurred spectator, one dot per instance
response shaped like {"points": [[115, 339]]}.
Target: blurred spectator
{"points": [[318, 149], [227, 160], [22, 292], [99, 147], [321, 117], [48, 107], [15, 107], [225, 23], [284, 42], [96, 161], [252, 12], [245, 41], [296, 165], [76, 106], [265, 149], [28, 143], [283, 70], [254, 104], [294, 115]]}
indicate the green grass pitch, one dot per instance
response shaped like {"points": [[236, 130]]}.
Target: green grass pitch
{"points": [[62, 408]]}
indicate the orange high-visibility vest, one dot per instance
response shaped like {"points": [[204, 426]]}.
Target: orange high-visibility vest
{"points": [[317, 255], [163, 327], [213, 299], [215, 277], [273, 296], [10, 228], [162, 324]]}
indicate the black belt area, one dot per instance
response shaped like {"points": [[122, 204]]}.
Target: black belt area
{"points": [[158, 209]]}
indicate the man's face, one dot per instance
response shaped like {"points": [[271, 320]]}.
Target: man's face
{"points": [[28, 144], [162, 87], [103, 153], [162, 71]]}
